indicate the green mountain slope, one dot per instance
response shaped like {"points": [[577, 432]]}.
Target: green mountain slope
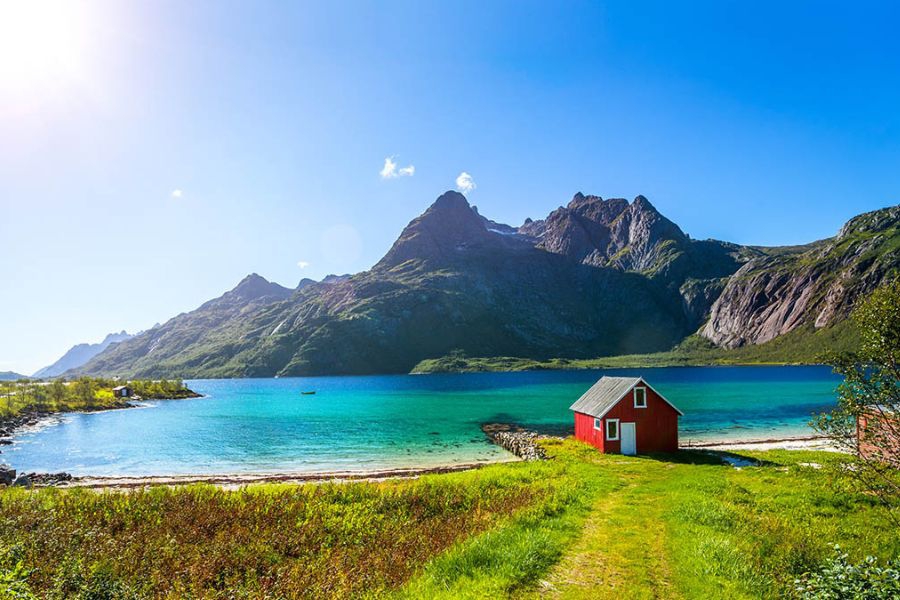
{"points": [[595, 278]]}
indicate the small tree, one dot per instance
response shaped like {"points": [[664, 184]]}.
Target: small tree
{"points": [[84, 391], [57, 392], [870, 392]]}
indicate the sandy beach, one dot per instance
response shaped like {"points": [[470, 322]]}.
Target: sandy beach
{"points": [[237, 480], [792, 443]]}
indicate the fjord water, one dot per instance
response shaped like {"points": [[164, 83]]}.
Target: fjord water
{"points": [[352, 423]]}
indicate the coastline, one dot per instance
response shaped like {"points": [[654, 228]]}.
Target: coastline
{"points": [[803, 442], [238, 480]]}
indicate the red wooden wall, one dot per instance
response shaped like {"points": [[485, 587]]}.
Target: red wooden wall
{"points": [[656, 426]]}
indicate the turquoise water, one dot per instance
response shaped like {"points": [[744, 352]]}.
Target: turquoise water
{"points": [[266, 425]]}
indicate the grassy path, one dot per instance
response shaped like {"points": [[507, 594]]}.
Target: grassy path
{"points": [[621, 551], [581, 525]]}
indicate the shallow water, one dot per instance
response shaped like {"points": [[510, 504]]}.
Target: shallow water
{"points": [[266, 425]]}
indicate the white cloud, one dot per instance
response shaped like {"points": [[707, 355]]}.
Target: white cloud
{"points": [[465, 183], [177, 193], [302, 264], [390, 170]]}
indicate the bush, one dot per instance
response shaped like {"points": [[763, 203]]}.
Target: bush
{"points": [[839, 579], [14, 575]]}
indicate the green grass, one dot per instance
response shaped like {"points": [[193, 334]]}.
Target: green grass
{"points": [[581, 525], [804, 345]]}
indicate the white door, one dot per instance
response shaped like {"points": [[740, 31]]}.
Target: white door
{"points": [[629, 442]]}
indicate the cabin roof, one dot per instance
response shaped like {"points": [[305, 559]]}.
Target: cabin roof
{"points": [[607, 392], [120, 387]]}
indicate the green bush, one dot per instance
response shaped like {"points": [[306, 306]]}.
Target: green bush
{"points": [[14, 574], [840, 579]]}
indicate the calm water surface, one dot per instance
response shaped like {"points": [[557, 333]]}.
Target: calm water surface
{"points": [[266, 425]]}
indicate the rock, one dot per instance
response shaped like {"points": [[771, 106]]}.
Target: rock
{"points": [[49, 479], [7, 475], [519, 441], [22, 481]]}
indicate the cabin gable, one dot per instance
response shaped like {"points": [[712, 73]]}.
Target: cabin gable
{"points": [[616, 403]]}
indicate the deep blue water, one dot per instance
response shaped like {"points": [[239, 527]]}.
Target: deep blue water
{"points": [[266, 425]]}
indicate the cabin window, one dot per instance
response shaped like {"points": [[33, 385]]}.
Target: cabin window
{"points": [[640, 397], [612, 430], [597, 423]]}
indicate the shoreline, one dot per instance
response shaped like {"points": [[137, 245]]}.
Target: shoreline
{"points": [[801, 442], [233, 481], [236, 480]]}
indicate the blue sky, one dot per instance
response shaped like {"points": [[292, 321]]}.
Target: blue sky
{"points": [[759, 123]]}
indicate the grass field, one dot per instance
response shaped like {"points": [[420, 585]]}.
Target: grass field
{"points": [[581, 525]]}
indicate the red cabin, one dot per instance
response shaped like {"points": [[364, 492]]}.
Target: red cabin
{"points": [[624, 415]]}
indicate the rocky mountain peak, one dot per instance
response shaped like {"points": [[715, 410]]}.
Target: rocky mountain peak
{"points": [[642, 203], [874, 221], [254, 286], [446, 227]]}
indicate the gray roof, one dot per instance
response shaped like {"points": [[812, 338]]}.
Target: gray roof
{"points": [[606, 393]]}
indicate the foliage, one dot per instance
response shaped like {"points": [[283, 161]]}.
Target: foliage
{"points": [[14, 575], [870, 395], [801, 346], [840, 579], [84, 393], [582, 523], [331, 540]]}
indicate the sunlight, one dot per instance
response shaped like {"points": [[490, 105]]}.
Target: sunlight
{"points": [[42, 46]]}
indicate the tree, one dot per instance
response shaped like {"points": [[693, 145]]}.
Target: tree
{"points": [[870, 393], [84, 391], [57, 392]]}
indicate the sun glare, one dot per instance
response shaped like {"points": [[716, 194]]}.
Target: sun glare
{"points": [[42, 46]]}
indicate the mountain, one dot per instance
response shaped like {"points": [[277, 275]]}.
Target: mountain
{"points": [[177, 345], [11, 376], [812, 286], [79, 354], [594, 278]]}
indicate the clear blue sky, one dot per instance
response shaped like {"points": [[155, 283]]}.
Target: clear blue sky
{"points": [[760, 123]]}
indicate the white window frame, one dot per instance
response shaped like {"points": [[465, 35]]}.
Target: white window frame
{"points": [[636, 405], [606, 430], [598, 423]]}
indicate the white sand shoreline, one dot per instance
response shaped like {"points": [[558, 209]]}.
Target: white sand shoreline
{"points": [[236, 480], [806, 442]]}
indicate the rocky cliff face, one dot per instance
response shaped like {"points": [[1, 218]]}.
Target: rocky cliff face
{"points": [[815, 285], [597, 277]]}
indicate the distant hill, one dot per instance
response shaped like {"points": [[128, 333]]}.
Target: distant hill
{"points": [[598, 277], [79, 354], [11, 376]]}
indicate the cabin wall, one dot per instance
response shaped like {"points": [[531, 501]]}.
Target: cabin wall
{"points": [[584, 431], [656, 427], [884, 429]]}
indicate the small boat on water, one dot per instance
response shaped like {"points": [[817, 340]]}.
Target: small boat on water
{"points": [[308, 393]]}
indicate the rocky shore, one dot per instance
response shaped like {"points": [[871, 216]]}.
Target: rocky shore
{"points": [[516, 439], [12, 424]]}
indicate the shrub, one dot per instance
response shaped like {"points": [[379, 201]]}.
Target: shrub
{"points": [[839, 579]]}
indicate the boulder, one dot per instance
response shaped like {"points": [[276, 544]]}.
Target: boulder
{"points": [[7, 475]]}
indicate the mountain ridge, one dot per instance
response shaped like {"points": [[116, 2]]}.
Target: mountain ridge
{"points": [[79, 354], [594, 278]]}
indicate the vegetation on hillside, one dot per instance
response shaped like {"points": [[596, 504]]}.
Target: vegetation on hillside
{"points": [[582, 524], [804, 345], [84, 393]]}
